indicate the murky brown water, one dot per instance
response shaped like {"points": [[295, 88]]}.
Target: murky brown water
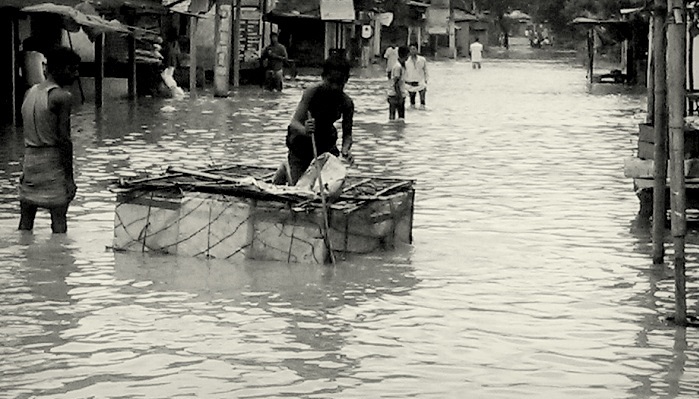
{"points": [[528, 276]]}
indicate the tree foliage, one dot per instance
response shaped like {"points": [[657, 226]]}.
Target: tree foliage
{"points": [[558, 13]]}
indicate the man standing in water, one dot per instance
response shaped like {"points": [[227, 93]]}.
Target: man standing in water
{"points": [[321, 105], [396, 88], [47, 173], [391, 56], [416, 76], [275, 55], [476, 50]]}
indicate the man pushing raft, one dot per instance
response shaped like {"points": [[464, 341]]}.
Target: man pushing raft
{"points": [[321, 105]]}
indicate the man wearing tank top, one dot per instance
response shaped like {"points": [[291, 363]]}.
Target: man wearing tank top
{"points": [[47, 172]]}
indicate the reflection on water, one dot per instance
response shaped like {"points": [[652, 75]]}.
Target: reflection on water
{"points": [[529, 276]]}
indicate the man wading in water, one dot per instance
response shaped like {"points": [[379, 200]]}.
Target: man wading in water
{"points": [[47, 174], [326, 102]]}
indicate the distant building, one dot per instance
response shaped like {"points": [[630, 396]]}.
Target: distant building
{"points": [[313, 29], [452, 28]]}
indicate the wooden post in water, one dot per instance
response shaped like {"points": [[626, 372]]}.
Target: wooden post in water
{"points": [[222, 37], [676, 75], [236, 43], [132, 66], [590, 53], [660, 136], [13, 63], [99, 70], [650, 75], [193, 21]]}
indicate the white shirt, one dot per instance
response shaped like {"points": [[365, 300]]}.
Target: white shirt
{"points": [[416, 71], [476, 52], [397, 74], [391, 56]]}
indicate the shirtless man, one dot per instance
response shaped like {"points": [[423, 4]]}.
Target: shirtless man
{"points": [[47, 174], [321, 105]]}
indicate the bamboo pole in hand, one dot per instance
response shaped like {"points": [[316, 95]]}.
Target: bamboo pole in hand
{"points": [[326, 224], [676, 75], [660, 136]]}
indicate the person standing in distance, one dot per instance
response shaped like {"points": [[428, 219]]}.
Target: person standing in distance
{"points": [[416, 76], [396, 88], [47, 172], [476, 50], [275, 55], [391, 56]]}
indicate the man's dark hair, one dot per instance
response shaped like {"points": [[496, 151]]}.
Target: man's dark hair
{"points": [[413, 45], [31, 44], [403, 51], [339, 64], [274, 34], [60, 57]]}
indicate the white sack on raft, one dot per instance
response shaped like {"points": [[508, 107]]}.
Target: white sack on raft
{"points": [[333, 174]]}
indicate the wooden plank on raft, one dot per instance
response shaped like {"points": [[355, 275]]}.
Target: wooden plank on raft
{"points": [[203, 175], [170, 175], [300, 207]]}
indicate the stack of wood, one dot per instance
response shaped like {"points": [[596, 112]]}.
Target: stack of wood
{"points": [[641, 167], [149, 52]]}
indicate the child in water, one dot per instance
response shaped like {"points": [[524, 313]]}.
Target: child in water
{"points": [[397, 90]]}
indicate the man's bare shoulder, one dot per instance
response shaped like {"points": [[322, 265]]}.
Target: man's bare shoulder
{"points": [[60, 98], [60, 95]]}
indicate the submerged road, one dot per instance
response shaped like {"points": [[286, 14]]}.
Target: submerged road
{"points": [[528, 277]]}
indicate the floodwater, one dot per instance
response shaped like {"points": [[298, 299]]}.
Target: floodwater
{"points": [[528, 277]]}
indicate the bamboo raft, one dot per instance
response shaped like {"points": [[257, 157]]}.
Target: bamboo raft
{"points": [[231, 213]]}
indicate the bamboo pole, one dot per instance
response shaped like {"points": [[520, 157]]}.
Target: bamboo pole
{"points": [[131, 42], [660, 136], [650, 74], [222, 37], [236, 43], [13, 62], [193, 21], [80, 83], [99, 70], [319, 169], [132, 67], [590, 53], [676, 76]]}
